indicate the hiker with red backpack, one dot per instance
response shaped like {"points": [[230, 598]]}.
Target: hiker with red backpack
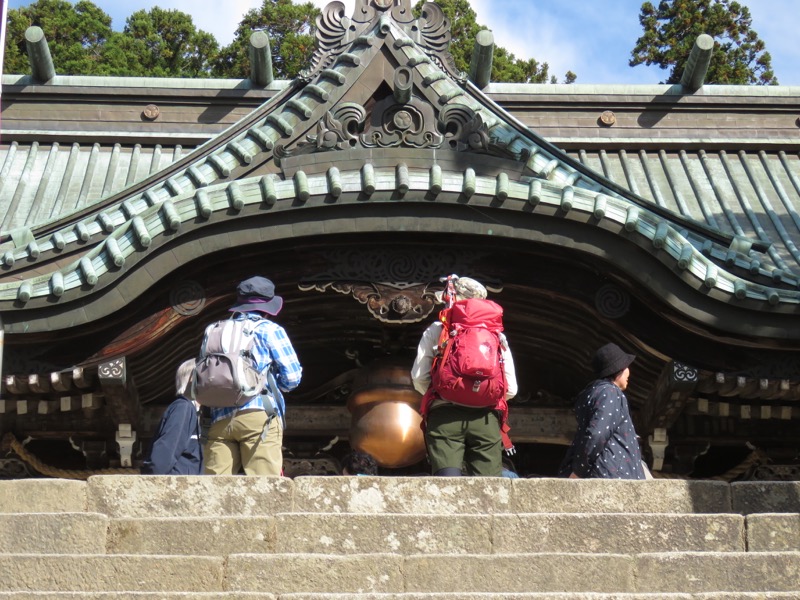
{"points": [[465, 371], [247, 432]]}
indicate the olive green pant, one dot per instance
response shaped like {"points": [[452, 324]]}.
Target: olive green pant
{"points": [[244, 442], [464, 437]]}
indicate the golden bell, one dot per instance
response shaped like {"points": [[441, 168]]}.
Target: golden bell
{"points": [[385, 422]]}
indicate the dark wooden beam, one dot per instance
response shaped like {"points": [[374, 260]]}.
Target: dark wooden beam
{"points": [[121, 397], [528, 424], [668, 397]]}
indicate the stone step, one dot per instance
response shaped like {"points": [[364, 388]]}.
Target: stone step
{"points": [[130, 496], [502, 575], [119, 573], [516, 573], [143, 496], [42, 496], [287, 533], [313, 533], [398, 596], [748, 497], [547, 596], [53, 533]]}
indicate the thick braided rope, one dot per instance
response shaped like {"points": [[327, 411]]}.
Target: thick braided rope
{"points": [[10, 441], [756, 457]]}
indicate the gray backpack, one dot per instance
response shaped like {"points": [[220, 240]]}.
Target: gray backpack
{"points": [[226, 374]]}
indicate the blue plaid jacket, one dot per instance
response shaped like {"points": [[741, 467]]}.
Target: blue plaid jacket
{"points": [[272, 349]]}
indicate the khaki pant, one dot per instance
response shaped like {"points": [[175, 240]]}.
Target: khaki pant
{"points": [[239, 442]]}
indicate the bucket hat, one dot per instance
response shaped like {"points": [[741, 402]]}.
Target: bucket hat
{"points": [[609, 360], [467, 287], [257, 294]]}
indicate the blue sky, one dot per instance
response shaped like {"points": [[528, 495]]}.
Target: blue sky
{"points": [[593, 39]]}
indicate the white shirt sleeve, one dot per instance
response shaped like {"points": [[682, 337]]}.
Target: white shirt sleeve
{"points": [[509, 370], [421, 370]]}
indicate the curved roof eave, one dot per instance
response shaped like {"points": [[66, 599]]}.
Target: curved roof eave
{"points": [[155, 231]]}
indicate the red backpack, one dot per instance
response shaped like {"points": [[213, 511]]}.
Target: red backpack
{"points": [[470, 368]]}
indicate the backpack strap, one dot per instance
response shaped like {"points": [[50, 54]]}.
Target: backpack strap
{"points": [[272, 384]]}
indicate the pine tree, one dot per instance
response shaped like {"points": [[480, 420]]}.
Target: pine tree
{"points": [[162, 43], [76, 35], [290, 28], [670, 30], [154, 43]]}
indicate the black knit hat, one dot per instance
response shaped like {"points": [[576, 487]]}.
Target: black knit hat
{"points": [[610, 360]]}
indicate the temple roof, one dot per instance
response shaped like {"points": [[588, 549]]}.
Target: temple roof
{"points": [[382, 112]]}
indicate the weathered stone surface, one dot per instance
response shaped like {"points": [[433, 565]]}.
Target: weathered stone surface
{"points": [[284, 573], [398, 596], [773, 532], [749, 497], [501, 573], [707, 572], [544, 596], [620, 496], [67, 533], [382, 596], [403, 495], [401, 534], [618, 533], [188, 496], [195, 536], [42, 496], [138, 596], [58, 572]]}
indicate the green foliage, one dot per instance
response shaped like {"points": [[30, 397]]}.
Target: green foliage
{"points": [[505, 66], [670, 30], [290, 28], [76, 35], [162, 43], [156, 43]]}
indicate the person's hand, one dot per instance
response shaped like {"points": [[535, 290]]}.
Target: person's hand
{"points": [[573, 476]]}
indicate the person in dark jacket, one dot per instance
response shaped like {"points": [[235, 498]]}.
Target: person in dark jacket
{"points": [[176, 448], [605, 444], [359, 463]]}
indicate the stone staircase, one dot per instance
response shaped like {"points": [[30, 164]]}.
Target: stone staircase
{"points": [[382, 538]]}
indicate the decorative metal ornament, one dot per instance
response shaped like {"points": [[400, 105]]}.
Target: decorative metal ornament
{"points": [[682, 373], [187, 298], [151, 112], [114, 369], [607, 118], [395, 285], [612, 302], [409, 125]]}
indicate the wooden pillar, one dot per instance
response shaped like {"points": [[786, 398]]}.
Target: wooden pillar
{"points": [[122, 402]]}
